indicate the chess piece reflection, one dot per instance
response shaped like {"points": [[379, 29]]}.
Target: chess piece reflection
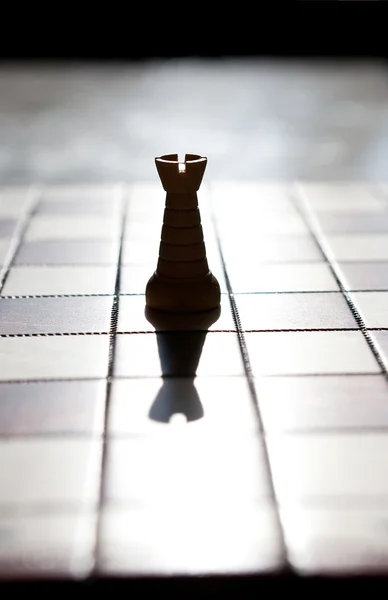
{"points": [[180, 341], [182, 281]]}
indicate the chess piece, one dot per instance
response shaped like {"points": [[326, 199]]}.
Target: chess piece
{"points": [[182, 282]]}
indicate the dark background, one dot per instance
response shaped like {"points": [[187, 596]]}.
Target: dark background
{"points": [[141, 30]]}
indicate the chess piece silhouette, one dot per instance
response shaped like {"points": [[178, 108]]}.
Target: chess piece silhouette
{"points": [[182, 281]]}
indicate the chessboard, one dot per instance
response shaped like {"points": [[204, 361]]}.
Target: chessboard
{"points": [[256, 446]]}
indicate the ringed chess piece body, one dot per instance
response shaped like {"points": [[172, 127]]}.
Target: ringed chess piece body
{"points": [[182, 282]]}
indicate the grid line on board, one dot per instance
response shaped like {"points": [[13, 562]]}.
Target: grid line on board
{"points": [[312, 222], [261, 293], [112, 345], [146, 332], [252, 388], [134, 377]]}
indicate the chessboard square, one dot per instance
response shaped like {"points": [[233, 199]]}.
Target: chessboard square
{"points": [[226, 211], [252, 250], [352, 198], [132, 316], [226, 192], [57, 357], [148, 213], [82, 192], [68, 253], [253, 223], [141, 252], [380, 339], [59, 227], [136, 355], [81, 314], [334, 403], [367, 276], [47, 545], [48, 471], [310, 353], [82, 207], [59, 407], [294, 311], [188, 540], [134, 278], [298, 277], [13, 202], [176, 405], [358, 247], [332, 467], [7, 227], [4, 249], [143, 192], [60, 281], [157, 471], [353, 223], [140, 229], [373, 308], [336, 541], [182, 353]]}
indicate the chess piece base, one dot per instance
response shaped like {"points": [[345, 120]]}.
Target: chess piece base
{"points": [[196, 294]]}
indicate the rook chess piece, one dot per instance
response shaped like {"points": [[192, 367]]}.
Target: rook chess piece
{"points": [[182, 282]]}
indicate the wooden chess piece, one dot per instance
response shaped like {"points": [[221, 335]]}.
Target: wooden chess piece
{"points": [[182, 282]]}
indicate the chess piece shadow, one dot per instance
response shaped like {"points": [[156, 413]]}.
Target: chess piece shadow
{"points": [[180, 340]]}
